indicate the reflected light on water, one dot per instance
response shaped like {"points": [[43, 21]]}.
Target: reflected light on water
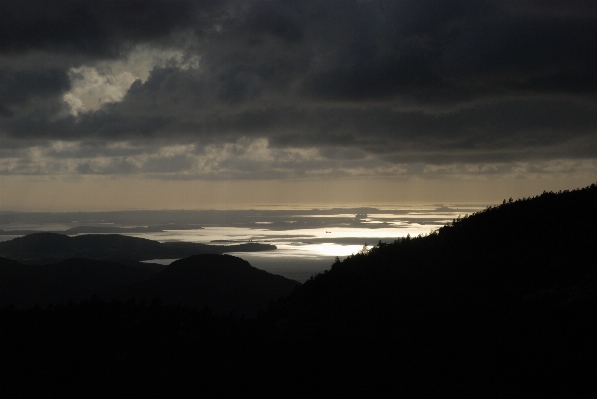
{"points": [[302, 249], [331, 249], [244, 234]]}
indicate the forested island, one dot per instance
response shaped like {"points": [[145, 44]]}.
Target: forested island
{"points": [[501, 303], [43, 248]]}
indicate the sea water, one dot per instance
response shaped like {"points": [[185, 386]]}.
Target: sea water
{"points": [[307, 243]]}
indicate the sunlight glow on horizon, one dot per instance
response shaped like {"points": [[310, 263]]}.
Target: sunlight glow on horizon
{"points": [[97, 193]]}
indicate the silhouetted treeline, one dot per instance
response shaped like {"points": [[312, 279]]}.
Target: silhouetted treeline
{"points": [[72, 279], [501, 303]]}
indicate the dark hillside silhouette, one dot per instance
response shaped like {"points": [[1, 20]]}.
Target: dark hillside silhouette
{"points": [[492, 298], [40, 248], [502, 303], [223, 283]]}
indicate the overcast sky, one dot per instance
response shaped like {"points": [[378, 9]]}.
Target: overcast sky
{"points": [[191, 104]]}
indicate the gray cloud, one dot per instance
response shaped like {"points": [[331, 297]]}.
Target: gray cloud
{"points": [[97, 28], [298, 88]]}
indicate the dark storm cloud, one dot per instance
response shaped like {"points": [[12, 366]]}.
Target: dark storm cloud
{"points": [[16, 87], [450, 51], [98, 28], [392, 82]]}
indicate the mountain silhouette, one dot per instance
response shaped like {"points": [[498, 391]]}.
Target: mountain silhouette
{"points": [[41, 248], [489, 260], [223, 283], [493, 303]]}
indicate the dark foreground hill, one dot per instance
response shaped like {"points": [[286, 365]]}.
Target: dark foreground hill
{"points": [[223, 283], [70, 280], [41, 248], [499, 304]]}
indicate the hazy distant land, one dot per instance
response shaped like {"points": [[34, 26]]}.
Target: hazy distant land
{"points": [[106, 230]]}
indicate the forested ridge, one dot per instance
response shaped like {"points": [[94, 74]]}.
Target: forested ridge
{"points": [[499, 303]]}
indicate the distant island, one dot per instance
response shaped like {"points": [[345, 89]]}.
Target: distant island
{"points": [[40, 248], [106, 230]]}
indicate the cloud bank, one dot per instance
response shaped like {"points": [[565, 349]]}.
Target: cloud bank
{"points": [[214, 90]]}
